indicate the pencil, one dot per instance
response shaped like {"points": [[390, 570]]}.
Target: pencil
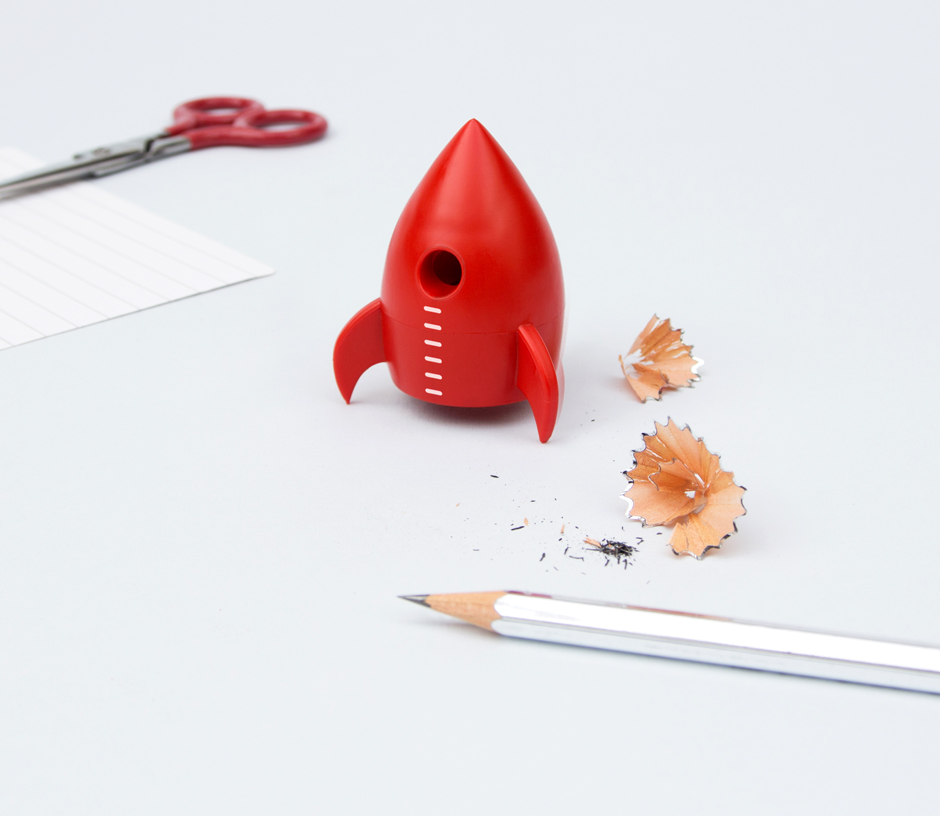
{"points": [[697, 638]]}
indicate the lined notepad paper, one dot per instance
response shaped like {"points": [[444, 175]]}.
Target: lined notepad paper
{"points": [[76, 255]]}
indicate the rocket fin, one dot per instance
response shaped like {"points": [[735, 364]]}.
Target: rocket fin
{"points": [[358, 347], [536, 378]]}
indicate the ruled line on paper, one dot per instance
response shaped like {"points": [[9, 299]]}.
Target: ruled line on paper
{"points": [[47, 243], [108, 240], [76, 255], [226, 258], [193, 273]]}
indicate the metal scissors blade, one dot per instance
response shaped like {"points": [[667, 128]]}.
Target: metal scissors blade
{"points": [[200, 123], [99, 161]]}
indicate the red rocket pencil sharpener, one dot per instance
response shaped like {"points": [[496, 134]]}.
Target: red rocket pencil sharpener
{"points": [[472, 306]]}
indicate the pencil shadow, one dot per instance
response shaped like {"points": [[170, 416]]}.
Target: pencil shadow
{"points": [[457, 628]]}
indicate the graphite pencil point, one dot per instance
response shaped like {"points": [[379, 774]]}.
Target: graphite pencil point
{"points": [[418, 599]]}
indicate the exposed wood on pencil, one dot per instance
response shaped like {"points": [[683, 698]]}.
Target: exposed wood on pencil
{"points": [[473, 607]]}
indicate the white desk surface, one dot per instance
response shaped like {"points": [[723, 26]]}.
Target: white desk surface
{"points": [[202, 544]]}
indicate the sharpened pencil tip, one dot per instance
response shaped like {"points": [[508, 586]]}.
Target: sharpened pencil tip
{"points": [[418, 599]]}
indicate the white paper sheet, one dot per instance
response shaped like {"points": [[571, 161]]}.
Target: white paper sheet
{"points": [[76, 255]]}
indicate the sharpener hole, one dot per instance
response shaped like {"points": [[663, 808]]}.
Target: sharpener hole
{"points": [[440, 273]]}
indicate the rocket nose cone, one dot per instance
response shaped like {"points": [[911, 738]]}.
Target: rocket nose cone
{"points": [[474, 206], [474, 150], [477, 143], [472, 126], [472, 182]]}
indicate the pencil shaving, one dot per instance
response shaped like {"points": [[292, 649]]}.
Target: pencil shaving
{"points": [[658, 359], [677, 481], [620, 551]]}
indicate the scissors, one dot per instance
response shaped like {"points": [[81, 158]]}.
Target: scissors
{"points": [[210, 122]]}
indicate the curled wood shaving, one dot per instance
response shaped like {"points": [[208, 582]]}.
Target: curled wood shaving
{"points": [[658, 359], [677, 481]]}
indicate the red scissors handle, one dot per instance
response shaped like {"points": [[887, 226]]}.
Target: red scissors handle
{"points": [[233, 120]]}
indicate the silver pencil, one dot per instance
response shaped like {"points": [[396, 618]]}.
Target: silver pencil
{"points": [[698, 638]]}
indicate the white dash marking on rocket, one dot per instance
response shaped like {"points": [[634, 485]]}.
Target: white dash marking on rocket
{"points": [[432, 326], [432, 391], [432, 343], [433, 376], [432, 309], [437, 360]]}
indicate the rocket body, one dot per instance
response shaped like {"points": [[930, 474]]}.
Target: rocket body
{"points": [[471, 311]]}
